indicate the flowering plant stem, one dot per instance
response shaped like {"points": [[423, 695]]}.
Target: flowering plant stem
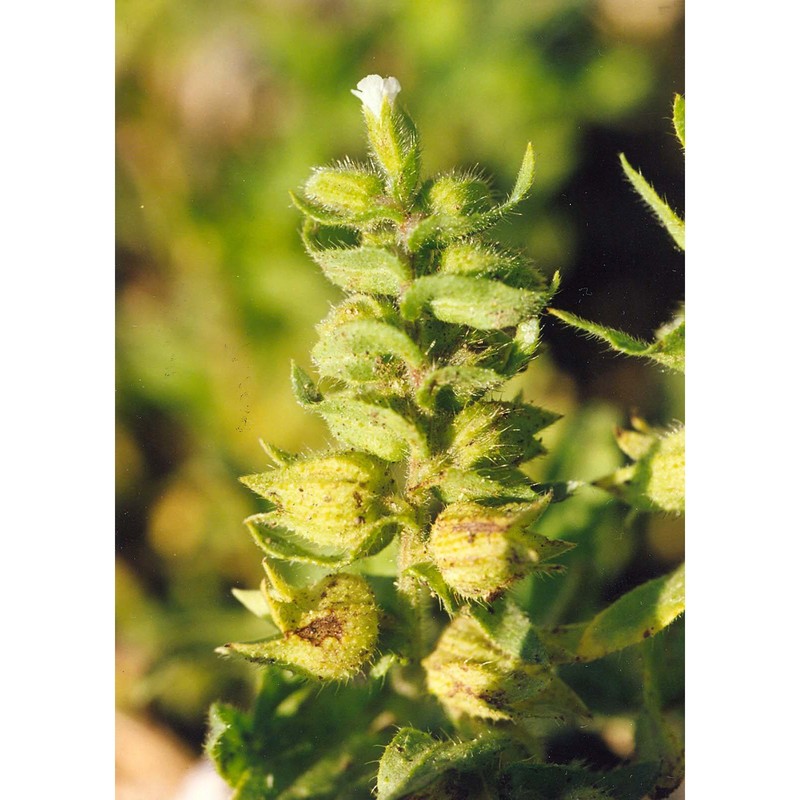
{"points": [[436, 319]]}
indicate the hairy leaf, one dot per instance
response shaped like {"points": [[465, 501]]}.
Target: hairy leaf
{"points": [[669, 350], [373, 270], [656, 481], [338, 218], [358, 351], [637, 615], [531, 781], [481, 303], [414, 760], [679, 118], [510, 628], [666, 216]]}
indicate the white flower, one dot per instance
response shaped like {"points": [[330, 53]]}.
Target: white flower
{"points": [[372, 89]]}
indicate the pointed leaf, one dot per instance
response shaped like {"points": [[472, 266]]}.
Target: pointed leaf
{"points": [[524, 178], [429, 573], [304, 389], [679, 118], [254, 601], [496, 484], [668, 351], [636, 616], [666, 216], [518, 193], [280, 457]]}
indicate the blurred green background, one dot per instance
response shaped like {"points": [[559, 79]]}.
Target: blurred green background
{"points": [[221, 110]]}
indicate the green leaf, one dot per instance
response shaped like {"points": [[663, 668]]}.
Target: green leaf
{"points": [[226, 743], [518, 193], [524, 179], [464, 382], [356, 351], [254, 601], [656, 739], [530, 781], [679, 118], [326, 216], [278, 542], [304, 389], [502, 484], [280, 457], [413, 760], [510, 629], [656, 481], [342, 773], [368, 269], [481, 303], [666, 216], [669, 350], [634, 617], [475, 258], [372, 425], [496, 433], [562, 642], [429, 573]]}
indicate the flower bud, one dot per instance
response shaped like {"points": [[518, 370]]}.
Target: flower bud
{"points": [[482, 550], [346, 189], [459, 195], [328, 631], [331, 500], [392, 136], [473, 676]]}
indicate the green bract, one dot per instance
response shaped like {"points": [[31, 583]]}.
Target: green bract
{"points": [[425, 498]]}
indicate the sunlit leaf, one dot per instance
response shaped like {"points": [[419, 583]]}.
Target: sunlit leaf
{"points": [[666, 216], [669, 350]]}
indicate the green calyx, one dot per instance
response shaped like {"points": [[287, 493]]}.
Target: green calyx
{"points": [[327, 631]]}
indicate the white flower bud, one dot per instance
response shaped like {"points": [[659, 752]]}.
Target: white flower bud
{"points": [[372, 90]]}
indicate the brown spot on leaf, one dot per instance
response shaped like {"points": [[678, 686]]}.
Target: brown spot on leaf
{"points": [[320, 629]]}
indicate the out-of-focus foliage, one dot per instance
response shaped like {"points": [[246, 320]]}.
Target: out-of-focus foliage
{"points": [[221, 108]]}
